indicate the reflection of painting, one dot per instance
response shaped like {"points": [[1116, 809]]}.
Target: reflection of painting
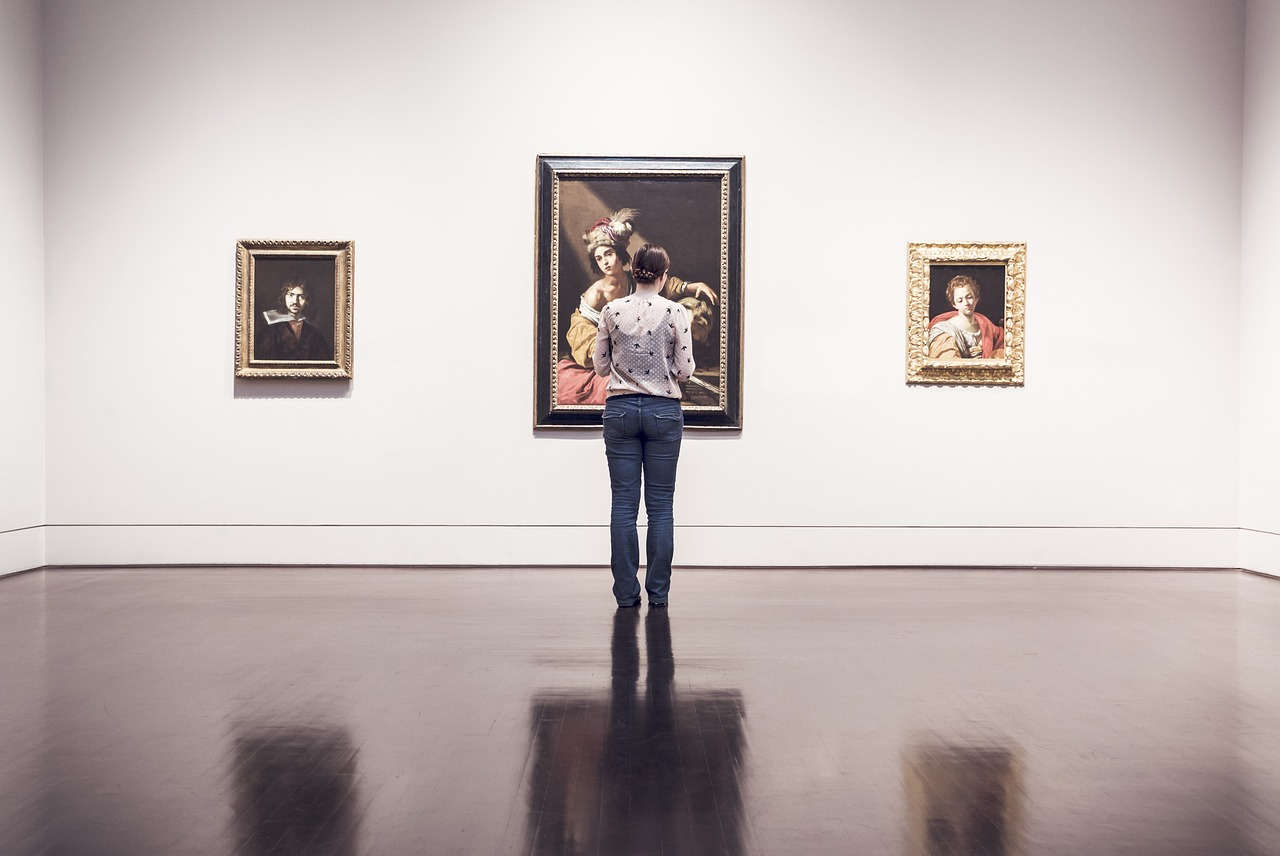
{"points": [[587, 206], [965, 313], [625, 771], [295, 790], [964, 800], [293, 309]]}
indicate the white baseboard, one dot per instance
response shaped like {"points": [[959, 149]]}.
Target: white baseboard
{"points": [[696, 546], [1260, 552], [22, 549]]}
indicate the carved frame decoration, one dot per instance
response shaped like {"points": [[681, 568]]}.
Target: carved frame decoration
{"points": [[693, 206], [262, 268], [929, 267]]}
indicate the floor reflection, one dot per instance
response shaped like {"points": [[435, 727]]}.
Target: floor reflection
{"points": [[658, 771], [295, 788], [188, 712], [964, 800]]}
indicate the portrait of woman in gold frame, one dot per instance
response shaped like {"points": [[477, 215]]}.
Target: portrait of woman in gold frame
{"points": [[966, 313]]}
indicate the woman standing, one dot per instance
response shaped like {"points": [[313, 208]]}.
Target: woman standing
{"points": [[645, 350]]}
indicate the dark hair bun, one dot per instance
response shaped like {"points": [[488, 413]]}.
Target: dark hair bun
{"points": [[650, 263]]}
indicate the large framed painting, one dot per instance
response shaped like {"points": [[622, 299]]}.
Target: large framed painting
{"points": [[966, 313], [597, 211], [293, 308]]}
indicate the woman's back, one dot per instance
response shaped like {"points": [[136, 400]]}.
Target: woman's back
{"points": [[644, 346]]}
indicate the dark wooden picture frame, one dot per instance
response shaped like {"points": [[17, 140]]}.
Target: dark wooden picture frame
{"points": [[692, 207]]}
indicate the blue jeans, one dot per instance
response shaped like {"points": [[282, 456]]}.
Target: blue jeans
{"points": [[642, 442]]}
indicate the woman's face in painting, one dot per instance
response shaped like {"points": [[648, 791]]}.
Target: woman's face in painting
{"points": [[607, 260], [964, 301]]}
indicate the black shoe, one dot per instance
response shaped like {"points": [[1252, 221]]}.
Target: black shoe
{"points": [[653, 604], [631, 605]]}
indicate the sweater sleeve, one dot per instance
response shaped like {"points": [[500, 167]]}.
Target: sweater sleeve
{"points": [[682, 364]]}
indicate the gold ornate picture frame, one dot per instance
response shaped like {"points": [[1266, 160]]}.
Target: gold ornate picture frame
{"points": [[293, 309], [693, 207], [966, 313]]}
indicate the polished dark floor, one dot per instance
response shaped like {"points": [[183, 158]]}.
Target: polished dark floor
{"points": [[344, 712]]}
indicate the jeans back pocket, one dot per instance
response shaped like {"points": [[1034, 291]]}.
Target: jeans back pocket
{"points": [[668, 425]]}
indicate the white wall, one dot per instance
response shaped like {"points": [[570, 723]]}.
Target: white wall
{"points": [[1107, 136], [1259, 296], [22, 426]]}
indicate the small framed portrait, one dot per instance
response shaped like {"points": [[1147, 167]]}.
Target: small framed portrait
{"points": [[593, 214], [293, 308], [966, 313]]}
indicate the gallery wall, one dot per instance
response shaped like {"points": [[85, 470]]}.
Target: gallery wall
{"points": [[22, 481], [1106, 136], [1260, 298]]}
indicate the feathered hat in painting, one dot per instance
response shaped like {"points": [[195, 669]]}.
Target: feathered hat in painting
{"points": [[612, 231]]}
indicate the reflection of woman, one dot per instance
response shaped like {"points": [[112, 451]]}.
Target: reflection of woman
{"points": [[645, 349], [963, 333], [606, 243]]}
